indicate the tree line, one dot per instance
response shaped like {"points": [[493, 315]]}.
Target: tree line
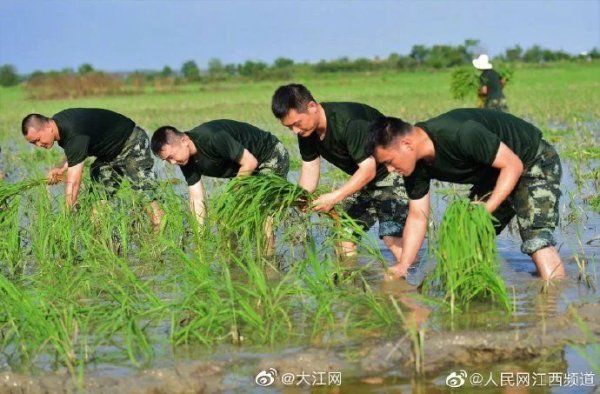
{"points": [[420, 57]]}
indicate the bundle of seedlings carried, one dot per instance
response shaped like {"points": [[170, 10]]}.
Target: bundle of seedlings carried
{"points": [[10, 190], [467, 259], [465, 80]]}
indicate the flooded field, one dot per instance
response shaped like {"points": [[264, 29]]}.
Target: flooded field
{"points": [[98, 302]]}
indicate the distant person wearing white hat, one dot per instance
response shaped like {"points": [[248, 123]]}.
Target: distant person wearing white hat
{"points": [[490, 85]]}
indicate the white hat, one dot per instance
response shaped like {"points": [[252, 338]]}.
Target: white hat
{"points": [[482, 63]]}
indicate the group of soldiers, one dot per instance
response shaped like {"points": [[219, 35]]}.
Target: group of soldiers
{"points": [[391, 163]]}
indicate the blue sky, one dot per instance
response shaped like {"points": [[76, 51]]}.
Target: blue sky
{"points": [[127, 35]]}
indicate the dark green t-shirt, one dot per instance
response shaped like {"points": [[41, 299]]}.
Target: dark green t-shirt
{"points": [[491, 79], [220, 144], [344, 142], [466, 142], [92, 132]]}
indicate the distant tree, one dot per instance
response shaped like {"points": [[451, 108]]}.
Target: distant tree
{"points": [[441, 56], [67, 70], [282, 62], [215, 67], [362, 64], [85, 68], [513, 54], [552, 56], [8, 75], [230, 69], [167, 72], [419, 53], [252, 69], [402, 62], [594, 53], [190, 71], [535, 54]]}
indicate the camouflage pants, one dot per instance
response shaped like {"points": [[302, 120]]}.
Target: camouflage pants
{"points": [[534, 200], [498, 104], [134, 164], [385, 201], [278, 163]]}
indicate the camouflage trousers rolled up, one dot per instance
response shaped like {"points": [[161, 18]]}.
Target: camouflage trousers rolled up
{"points": [[497, 104], [534, 201], [384, 201], [133, 164], [278, 163]]}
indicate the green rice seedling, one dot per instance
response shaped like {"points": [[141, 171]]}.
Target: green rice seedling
{"points": [[595, 203], [591, 355], [417, 338], [581, 260], [318, 279], [262, 306], [33, 324], [11, 253], [584, 276], [11, 190], [202, 311], [467, 258]]}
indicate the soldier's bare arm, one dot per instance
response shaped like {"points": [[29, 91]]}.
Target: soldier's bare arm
{"points": [[74, 176], [248, 163], [309, 174], [197, 201], [511, 168], [365, 174], [413, 236]]}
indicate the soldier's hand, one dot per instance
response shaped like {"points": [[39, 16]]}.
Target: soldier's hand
{"points": [[396, 272], [325, 202], [55, 175]]}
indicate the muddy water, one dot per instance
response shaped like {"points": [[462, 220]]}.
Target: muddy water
{"points": [[540, 337]]}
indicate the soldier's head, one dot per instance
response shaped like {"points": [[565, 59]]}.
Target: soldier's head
{"points": [[171, 145], [392, 142], [296, 109], [39, 130]]}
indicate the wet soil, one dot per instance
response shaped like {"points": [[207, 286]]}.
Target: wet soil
{"points": [[370, 363]]}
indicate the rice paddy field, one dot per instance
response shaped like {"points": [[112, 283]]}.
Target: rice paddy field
{"points": [[97, 301]]}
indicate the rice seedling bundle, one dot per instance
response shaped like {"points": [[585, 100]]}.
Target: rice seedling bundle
{"points": [[467, 258], [251, 206], [465, 80], [251, 199]]}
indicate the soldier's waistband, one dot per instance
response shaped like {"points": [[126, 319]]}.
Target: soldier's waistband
{"points": [[544, 151]]}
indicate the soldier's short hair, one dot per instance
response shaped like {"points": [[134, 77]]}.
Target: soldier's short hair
{"points": [[384, 130], [288, 97], [35, 121], [164, 135]]}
